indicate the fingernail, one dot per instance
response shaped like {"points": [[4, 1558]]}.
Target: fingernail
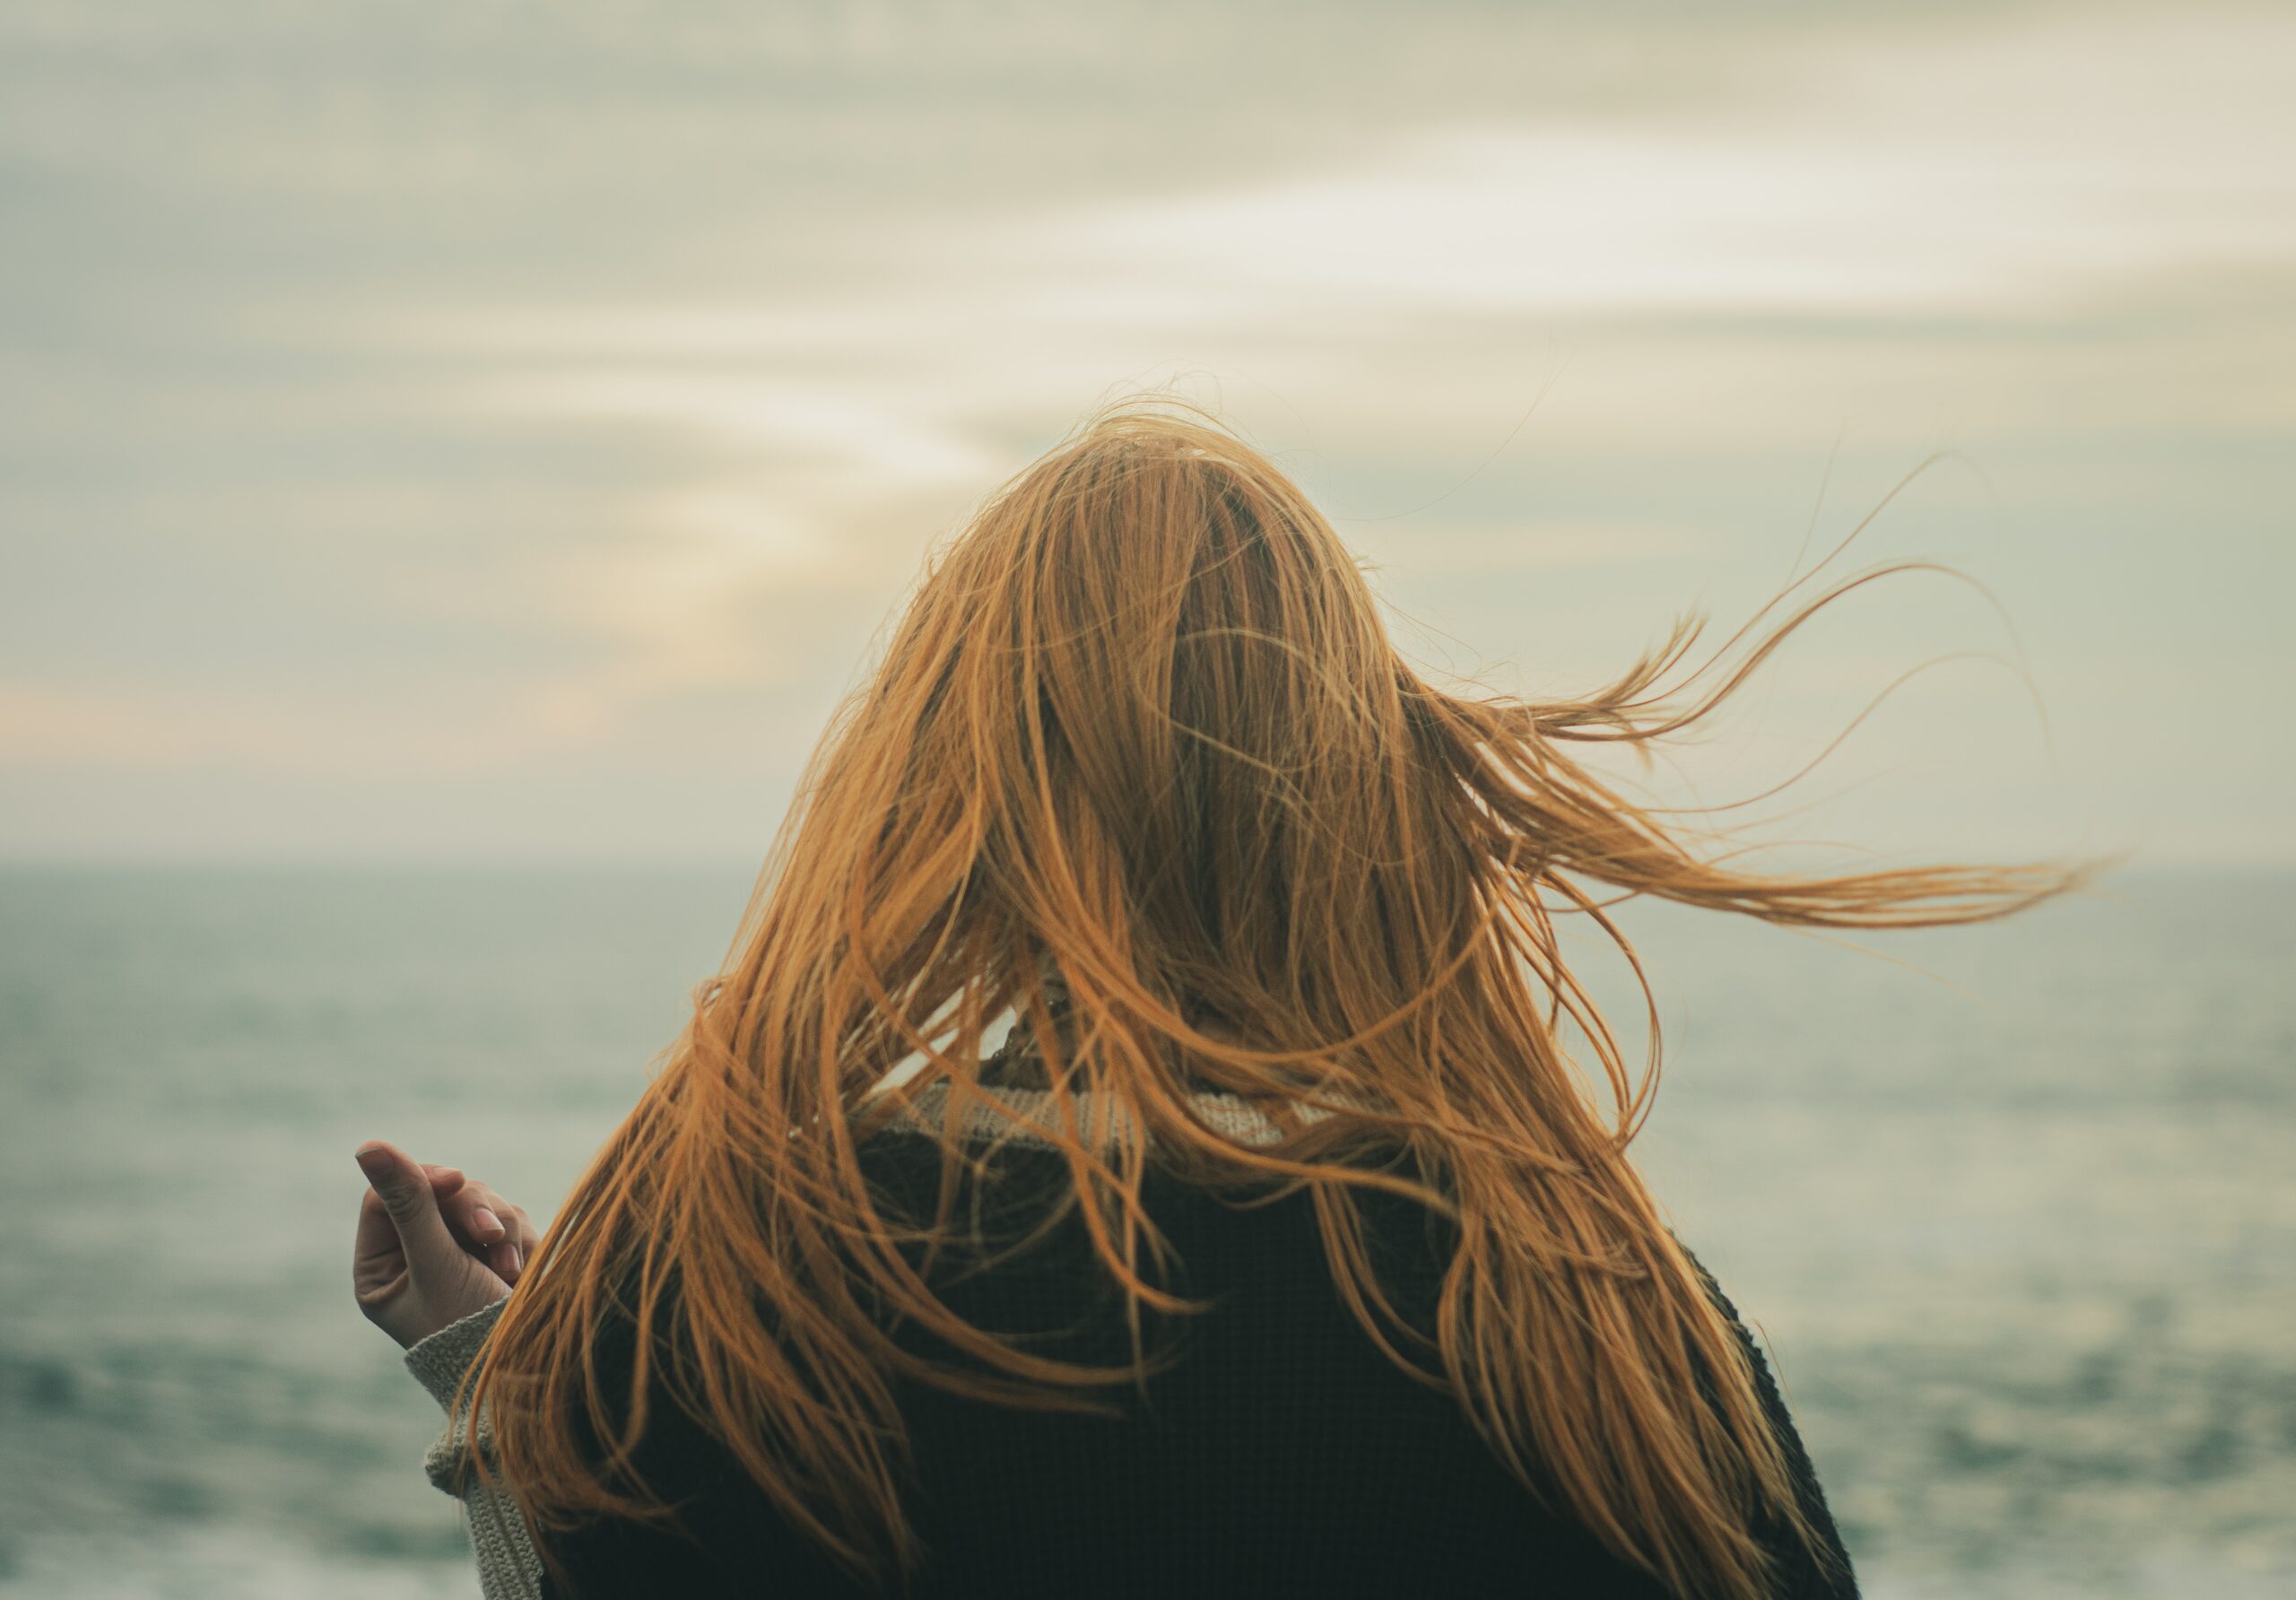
{"points": [[518, 1259], [485, 1223]]}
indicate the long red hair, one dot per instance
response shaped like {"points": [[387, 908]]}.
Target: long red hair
{"points": [[1141, 734]]}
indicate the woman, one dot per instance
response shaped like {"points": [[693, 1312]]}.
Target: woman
{"points": [[1279, 1248]]}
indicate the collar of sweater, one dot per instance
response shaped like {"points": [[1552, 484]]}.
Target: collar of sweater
{"points": [[1001, 1113]]}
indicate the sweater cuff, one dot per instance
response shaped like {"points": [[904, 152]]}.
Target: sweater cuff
{"points": [[439, 1361]]}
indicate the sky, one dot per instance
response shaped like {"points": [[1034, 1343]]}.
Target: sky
{"points": [[500, 433]]}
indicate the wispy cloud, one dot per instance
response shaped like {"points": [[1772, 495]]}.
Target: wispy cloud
{"points": [[599, 464]]}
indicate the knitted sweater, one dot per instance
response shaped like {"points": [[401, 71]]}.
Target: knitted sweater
{"points": [[1281, 1454]]}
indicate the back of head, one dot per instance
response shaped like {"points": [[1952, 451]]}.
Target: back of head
{"points": [[1140, 743], [1151, 681]]}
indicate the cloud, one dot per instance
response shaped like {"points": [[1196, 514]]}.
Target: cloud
{"points": [[631, 400], [1937, 196], [826, 429], [1535, 543], [42, 726], [2001, 174]]}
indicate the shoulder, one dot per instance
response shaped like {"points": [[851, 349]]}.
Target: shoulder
{"points": [[1805, 1577]]}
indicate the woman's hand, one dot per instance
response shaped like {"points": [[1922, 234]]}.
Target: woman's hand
{"points": [[432, 1246]]}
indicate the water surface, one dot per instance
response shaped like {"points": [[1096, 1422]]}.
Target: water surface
{"points": [[2022, 1235]]}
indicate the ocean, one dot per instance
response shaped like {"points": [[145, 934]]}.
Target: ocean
{"points": [[2019, 1228]]}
